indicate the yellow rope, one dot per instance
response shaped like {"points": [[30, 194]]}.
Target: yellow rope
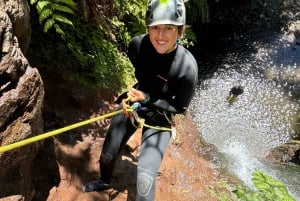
{"points": [[158, 128], [73, 126], [55, 132], [140, 122]]}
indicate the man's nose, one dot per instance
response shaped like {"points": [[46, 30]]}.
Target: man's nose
{"points": [[161, 33]]}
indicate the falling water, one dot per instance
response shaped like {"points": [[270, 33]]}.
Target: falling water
{"points": [[263, 117]]}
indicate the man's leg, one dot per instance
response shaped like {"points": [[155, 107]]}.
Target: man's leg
{"points": [[153, 147], [118, 133]]}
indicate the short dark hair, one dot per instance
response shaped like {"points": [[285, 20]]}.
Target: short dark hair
{"points": [[181, 30]]}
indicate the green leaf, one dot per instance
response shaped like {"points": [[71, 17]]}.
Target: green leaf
{"points": [[62, 19], [271, 188], [32, 1], [239, 192], [42, 4], [58, 29], [69, 3], [53, 11], [45, 14], [48, 24], [62, 8]]}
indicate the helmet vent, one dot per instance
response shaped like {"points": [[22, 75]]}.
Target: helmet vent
{"points": [[178, 13], [149, 13], [165, 12]]}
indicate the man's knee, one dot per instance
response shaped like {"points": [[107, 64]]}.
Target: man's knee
{"points": [[144, 184]]}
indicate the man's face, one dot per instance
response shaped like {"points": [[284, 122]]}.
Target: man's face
{"points": [[163, 37]]}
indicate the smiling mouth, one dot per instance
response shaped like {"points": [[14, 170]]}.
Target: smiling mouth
{"points": [[161, 42]]}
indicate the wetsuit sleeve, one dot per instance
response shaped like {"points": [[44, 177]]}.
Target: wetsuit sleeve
{"points": [[182, 79]]}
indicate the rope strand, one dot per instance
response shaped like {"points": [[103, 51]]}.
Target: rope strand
{"points": [[127, 110]]}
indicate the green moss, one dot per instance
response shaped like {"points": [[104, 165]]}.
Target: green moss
{"points": [[84, 51]]}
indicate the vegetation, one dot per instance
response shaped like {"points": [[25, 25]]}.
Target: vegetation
{"points": [[269, 189], [197, 11], [88, 45], [93, 59], [52, 13], [93, 40]]}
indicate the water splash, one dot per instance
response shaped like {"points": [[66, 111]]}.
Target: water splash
{"points": [[264, 116]]}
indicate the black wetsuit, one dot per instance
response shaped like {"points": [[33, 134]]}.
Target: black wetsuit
{"points": [[170, 80]]}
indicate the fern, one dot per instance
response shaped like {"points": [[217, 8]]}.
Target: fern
{"points": [[60, 18], [48, 25], [130, 21], [269, 189], [53, 13]]}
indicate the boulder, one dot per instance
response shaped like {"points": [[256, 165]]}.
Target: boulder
{"points": [[286, 153], [21, 100]]}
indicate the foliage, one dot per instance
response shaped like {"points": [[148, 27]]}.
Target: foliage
{"points": [[82, 54], [101, 64], [198, 11], [221, 191], [188, 39], [130, 21], [95, 53], [269, 189], [54, 12]]}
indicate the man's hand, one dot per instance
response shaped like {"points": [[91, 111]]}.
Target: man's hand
{"points": [[136, 95]]}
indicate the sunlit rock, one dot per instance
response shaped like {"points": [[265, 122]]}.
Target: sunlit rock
{"points": [[21, 98], [285, 153]]}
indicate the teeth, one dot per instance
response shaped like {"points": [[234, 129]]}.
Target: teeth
{"points": [[161, 42]]}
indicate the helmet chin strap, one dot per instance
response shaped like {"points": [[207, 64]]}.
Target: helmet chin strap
{"points": [[175, 45]]}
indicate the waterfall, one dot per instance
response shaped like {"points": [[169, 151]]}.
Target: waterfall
{"points": [[263, 116]]}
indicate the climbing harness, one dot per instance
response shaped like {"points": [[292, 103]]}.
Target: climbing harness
{"points": [[129, 111], [133, 115]]}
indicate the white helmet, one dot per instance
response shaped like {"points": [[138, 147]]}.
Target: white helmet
{"points": [[165, 12]]}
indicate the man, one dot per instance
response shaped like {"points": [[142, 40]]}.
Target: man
{"points": [[167, 76]]}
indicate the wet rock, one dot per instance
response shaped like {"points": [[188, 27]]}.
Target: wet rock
{"points": [[13, 198], [19, 14], [293, 32], [21, 99], [288, 152]]}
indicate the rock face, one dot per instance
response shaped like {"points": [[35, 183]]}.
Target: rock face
{"points": [[21, 98], [18, 12], [72, 158], [286, 153], [293, 32]]}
